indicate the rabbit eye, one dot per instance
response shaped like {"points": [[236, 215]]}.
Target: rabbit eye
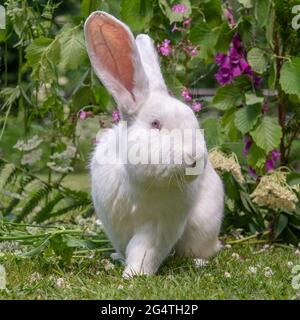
{"points": [[156, 124]]}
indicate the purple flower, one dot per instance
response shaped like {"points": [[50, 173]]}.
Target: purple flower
{"points": [[257, 81], [236, 71], [252, 173], [237, 43], [164, 48], [224, 76], [193, 52], [234, 64], [248, 144], [82, 115], [234, 56], [116, 116], [186, 95], [174, 28], [220, 57], [196, 106], [179, 8], [245, 67], [228, 14], [275, 155], [269, 165], [85, 114], [187, 22]]}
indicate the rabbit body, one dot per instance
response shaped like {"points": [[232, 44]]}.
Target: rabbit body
{"points": [[148, 209]]}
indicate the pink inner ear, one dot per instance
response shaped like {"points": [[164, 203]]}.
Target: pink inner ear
{"points": [[110, 45]]}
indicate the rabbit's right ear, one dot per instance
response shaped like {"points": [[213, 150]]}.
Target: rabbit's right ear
{"points": [[116, 60]]}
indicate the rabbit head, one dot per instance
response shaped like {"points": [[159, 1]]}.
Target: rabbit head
{"points": [[129, 69]]}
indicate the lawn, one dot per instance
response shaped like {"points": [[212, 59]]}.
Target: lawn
{"points": [[238, 272]]}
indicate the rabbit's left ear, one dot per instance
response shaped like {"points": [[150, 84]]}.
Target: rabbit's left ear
{"points": [[116, 60], [150, 61]]}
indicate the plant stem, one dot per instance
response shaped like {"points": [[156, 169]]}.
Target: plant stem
{"points": [[281, 97], [21, 99], [5, 64], [92, 250], [35, 236], [249, 238]]}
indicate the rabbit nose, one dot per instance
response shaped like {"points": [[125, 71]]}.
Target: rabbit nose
{"points": [[193, 165]]}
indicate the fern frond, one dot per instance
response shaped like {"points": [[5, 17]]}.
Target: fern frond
{"points": [[23, 182], [45, 212], [14, 202], [34, 201], [72, 207], [8, 174]]}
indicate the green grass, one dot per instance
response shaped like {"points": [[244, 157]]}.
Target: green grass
{"points": [[44, 277], [86, 278]]}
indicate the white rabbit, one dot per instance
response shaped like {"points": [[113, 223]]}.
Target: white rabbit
{"points": [[148, 209]]}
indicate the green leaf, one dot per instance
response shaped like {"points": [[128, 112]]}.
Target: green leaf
{"points": [[256, 157], [257, 60], [9, 96], [246, 117], [227, 97], [88, 6], [173, 83], [83, 97], [280, 225], [38, 249], [245, 29], [203, 35], [73, 51], [290, 237], [270, 26], [228, 126], [212, 132], [137, 14], [261, 12], [101, 95], [252, 98], [290, 76], [267, 134], [43, 54], [293, 178], [213, 12], [231, 186], [246, 3], [224, 39], [173, 16], [272, 75]]}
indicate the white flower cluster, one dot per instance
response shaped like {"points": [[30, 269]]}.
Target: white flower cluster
{"points": [[60, 169], [229, 163], [66, 155], [107, 264], [9, 246], [32, 157], [61, 160], [31, 144], [274, 192], [2, 278]]}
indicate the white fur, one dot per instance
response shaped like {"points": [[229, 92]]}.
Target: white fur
{"points": [[147, 210]]}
